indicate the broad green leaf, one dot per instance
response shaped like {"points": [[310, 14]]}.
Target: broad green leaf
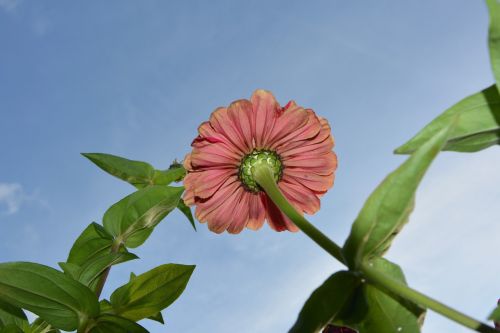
{"points": [[475, 121], [92, 242], [495, 315], [107, 323], [60, 300], [375, 311], [71, 270], [389, 206], [136, 173], [187, 212], [92, 270], [11, 328], [133, 218], [10, 314], [157, 317], [494, 38], [149, 293], [326, 302]]}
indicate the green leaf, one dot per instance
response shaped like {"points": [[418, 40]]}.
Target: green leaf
{"points": [[389, 206], [494, 38], [475, 121], [114, 324], [92, 242], [136, 173], [41, 326], [11, 328], [133, 218], [326, 302], [149, 293], [10, 314], [92, 270], [157, 317], [375, 311], [60, 300], [495, 315], [187, 212], [166, 177]]}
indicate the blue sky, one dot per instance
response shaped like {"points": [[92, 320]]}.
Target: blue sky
{"points": [[136, 78]]}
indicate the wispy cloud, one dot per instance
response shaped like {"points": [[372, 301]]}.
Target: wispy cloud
{"points": [[11, 197], [9, 5]]}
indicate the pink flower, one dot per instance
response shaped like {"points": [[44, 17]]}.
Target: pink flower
{"points": [[295, 142]]}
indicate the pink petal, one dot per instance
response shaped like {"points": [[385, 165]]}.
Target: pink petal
{"points": [[300, 197], [224, 215], [288, 121], [298, 135], [239, 213], [257, 213], [315, 182], [209, 181], [206, 208], [325, 163], [276, 219], [222, 123], [265, 110], [241, 113]]}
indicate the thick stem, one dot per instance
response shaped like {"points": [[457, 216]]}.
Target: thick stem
{"points": [[100, 285], [383, 281], [264, 177]]}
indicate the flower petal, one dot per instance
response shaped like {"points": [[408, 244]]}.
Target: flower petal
{"points": [[276, 219], [300, 197], [225, 215], [206, 208], [265, 110], [223, 124], [257, 213], [315, 182], [287, 121], [210, 180], [240, 213]]}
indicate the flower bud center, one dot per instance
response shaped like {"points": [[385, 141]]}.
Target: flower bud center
{"points": [[255, 159]]}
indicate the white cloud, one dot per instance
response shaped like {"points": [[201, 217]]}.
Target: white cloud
{"points": [[11, 197], [9, 5]]}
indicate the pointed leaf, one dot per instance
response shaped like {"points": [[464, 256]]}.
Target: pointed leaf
{"points": [[166, 177], [133, 172], [494, 38], [187, 212], [149, 293], [60, 300], [476, 122], [495, 315], [91, 271], [389, 206], [157, 317], [114, 324], [326, 302], [10, 314], [375, 311], [133, 218], [41, 326], [11, 328], [92, 242]]}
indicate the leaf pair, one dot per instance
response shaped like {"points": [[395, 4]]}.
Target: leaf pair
{"points": [[141, 174], [346, 300]]}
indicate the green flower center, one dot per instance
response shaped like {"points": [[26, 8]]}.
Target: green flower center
{"points": [[255, 159]]}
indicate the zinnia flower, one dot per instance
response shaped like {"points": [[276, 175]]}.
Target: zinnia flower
{"points": [[293, 141]]}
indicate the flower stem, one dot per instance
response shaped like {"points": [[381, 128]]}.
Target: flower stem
{"points": [[264, 177], [383, 281]]}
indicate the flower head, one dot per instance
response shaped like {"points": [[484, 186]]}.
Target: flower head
{"points": [[294, 142]]}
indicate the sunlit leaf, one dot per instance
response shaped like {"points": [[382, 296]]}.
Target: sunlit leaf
{"points": [[133, 218], [389, 206], [326, 302], [475, 121], [495, 315], [149, 293], [494, 38], [10, 314], [92, 242], [107, 323], [187, 212], [57, 298], [375, 311]]}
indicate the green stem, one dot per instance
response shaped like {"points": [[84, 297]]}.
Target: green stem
{"points": [[100, 285], [264, 177], [389, 284]]}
